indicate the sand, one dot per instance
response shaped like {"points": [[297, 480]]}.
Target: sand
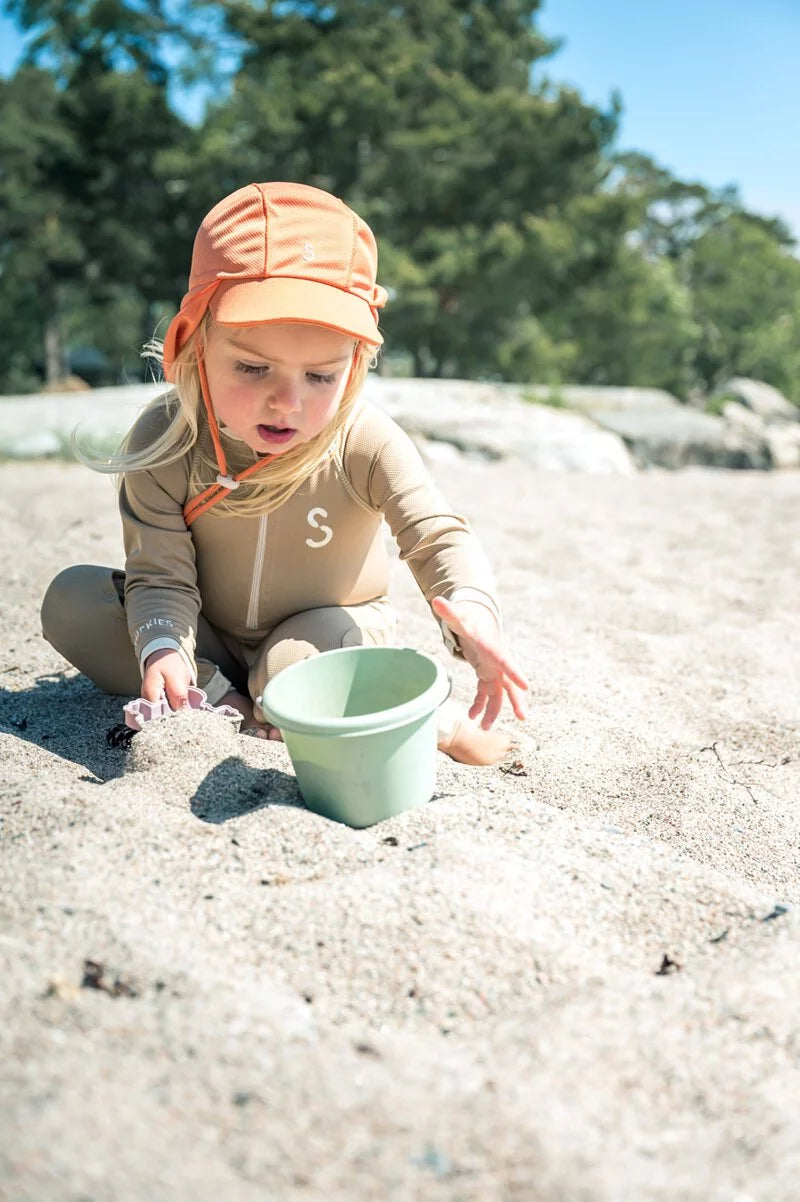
{"points": [[569, 978]]}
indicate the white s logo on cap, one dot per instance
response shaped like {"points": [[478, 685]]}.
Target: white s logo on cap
{"points": [[308, 253]]}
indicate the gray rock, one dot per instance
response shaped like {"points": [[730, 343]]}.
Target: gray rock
{"points": [[761, 398], [783, 440], [592, 399], [679, 437], [490, 420], [496, 422], [39, 425], [574, 428], [40, 444], [739, 415]]}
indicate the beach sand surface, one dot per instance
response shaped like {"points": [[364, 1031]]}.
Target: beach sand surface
{"points": [[572, 977]]}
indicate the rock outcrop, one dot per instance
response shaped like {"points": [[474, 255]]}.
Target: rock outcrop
{"points": [[595, 430]]}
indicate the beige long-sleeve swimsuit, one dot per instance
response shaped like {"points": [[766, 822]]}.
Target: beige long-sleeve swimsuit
{"points": [[241, 597]]}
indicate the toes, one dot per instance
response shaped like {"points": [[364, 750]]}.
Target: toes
{"points": [[469, 743]]}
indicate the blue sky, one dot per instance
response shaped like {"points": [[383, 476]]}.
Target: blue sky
{"points": [[710, 88]]}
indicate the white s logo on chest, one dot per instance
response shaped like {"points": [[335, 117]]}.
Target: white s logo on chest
{"points": [[325, 531]]}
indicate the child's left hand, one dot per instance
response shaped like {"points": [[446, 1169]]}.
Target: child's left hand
{"points": [[482, 646]]}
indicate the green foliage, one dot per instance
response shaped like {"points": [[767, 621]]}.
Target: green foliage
{"points": [[552, 399], [717, 402], [515, 242], [634, 325], [740, 310], [421, 116], [746, 292], [85, 212]]}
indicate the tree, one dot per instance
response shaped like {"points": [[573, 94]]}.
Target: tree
{"points": [[746, 291], [89, 222], [736, 269], [515, 242], [422, 116], [38, 251]]}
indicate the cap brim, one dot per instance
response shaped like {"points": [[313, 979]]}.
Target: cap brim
{"points": [[284, 298]]}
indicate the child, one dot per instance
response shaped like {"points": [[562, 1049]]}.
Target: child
{"points": [[252, 494]]}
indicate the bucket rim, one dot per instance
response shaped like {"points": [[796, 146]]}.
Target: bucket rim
{"points": [[361, 724]]}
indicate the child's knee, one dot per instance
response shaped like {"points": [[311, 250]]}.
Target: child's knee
{"points": [[299, 638], [59, 601], [286, 652], [317, 630], [71, 598]]}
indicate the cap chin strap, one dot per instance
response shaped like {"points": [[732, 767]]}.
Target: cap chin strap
{"points": [[225, 483]]}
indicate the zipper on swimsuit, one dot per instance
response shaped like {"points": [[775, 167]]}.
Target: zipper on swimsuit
{"points": [[258, 573]]}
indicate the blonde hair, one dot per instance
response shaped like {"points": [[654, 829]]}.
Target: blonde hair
{"points": [[183, 405]]}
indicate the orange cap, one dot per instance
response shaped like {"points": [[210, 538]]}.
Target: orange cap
{"points": [[281, 252]]}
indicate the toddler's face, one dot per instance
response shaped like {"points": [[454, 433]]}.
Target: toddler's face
{"points": [[276, 386]]}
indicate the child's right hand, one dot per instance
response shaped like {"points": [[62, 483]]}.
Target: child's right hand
{"points": [[166, 673]]}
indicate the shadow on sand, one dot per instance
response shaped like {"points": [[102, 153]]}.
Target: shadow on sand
{"points": [[68, 717], [233, 788]]}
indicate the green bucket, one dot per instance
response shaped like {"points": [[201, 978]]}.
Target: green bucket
{"points": [[359, 724]]}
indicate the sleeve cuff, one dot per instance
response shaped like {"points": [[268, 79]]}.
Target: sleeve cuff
{"points": [[467, 593], [170, 644], [216, 687]]}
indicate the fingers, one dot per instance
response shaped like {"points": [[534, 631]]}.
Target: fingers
{"points": [[491, 661], [152, 685], [158, 684], [503, 667], [177, 694], [486, 654], [515, 675], [493, 707], [489, 702], [479, 703], [167, 675], [517, 704], [498, 674]]}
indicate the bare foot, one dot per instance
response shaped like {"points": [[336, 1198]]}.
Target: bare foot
{"points": [[468, 743], [250, 724]]}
